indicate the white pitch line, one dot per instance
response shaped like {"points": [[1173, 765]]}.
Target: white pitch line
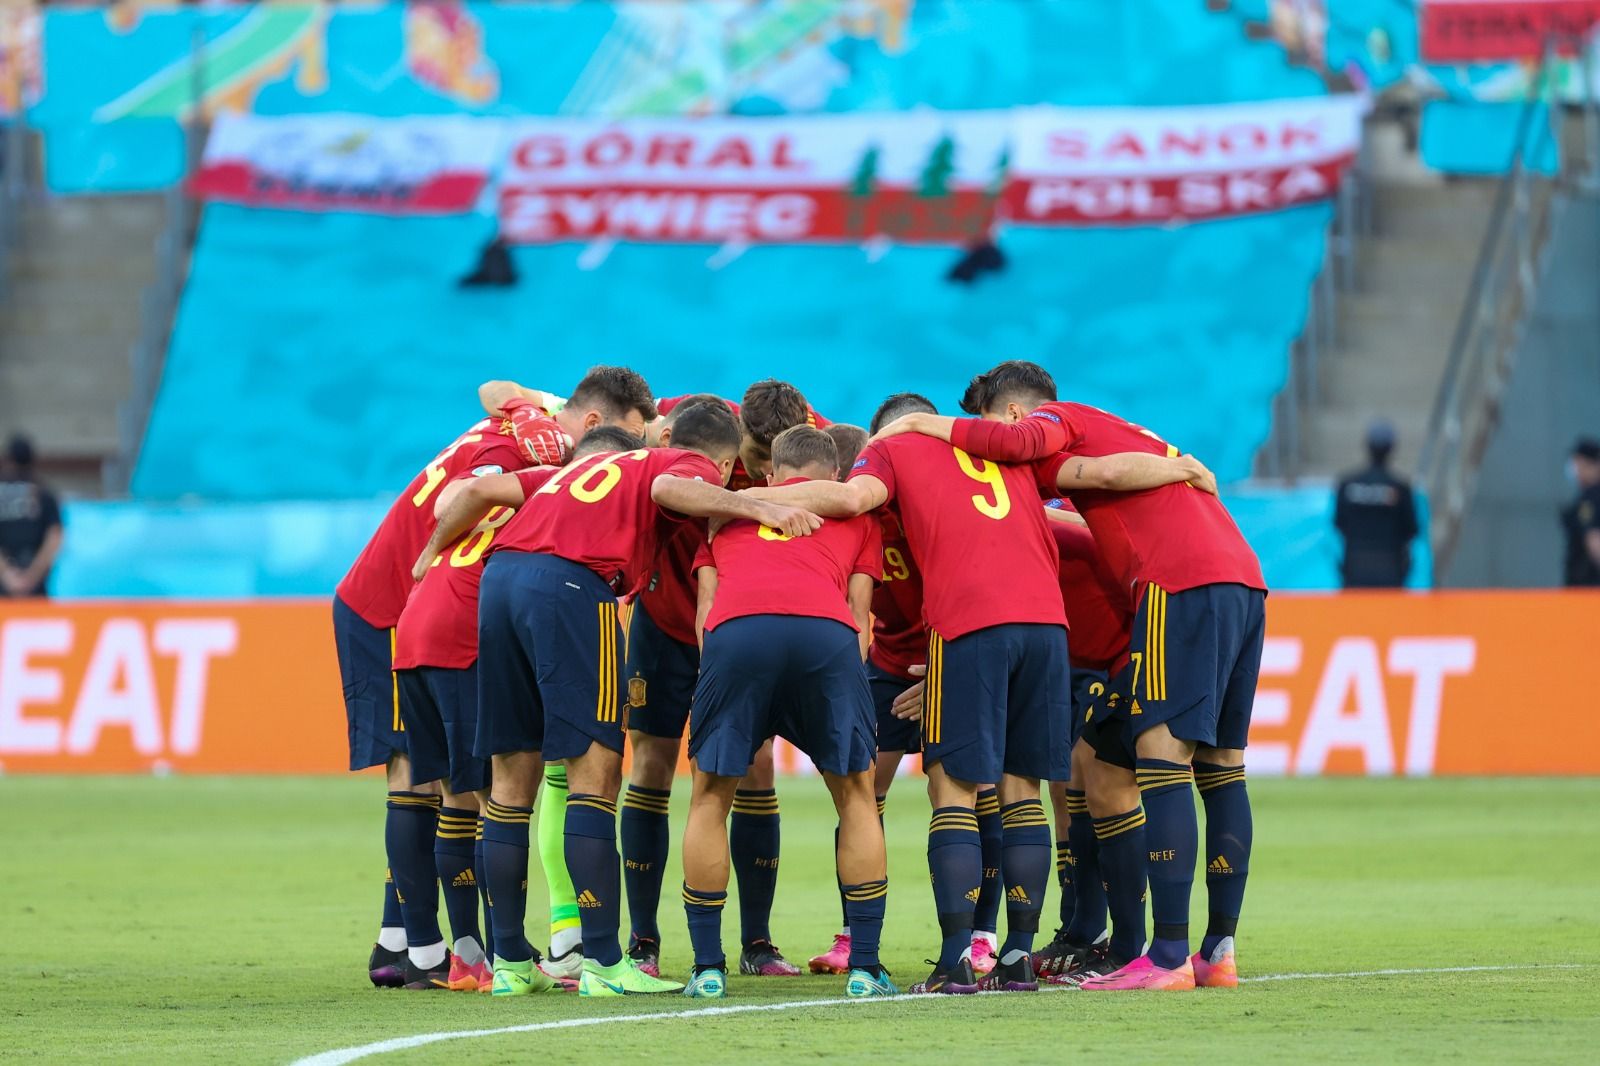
{"points": [[340, 1056]]}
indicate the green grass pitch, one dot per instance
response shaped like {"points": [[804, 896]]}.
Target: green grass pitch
{"points": [[179, 920]]}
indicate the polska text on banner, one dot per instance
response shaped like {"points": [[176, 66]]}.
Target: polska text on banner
{"points": [[1089, 166]]}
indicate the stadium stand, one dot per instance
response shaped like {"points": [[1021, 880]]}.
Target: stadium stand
{"points": [[327, 332], [303, 338]]}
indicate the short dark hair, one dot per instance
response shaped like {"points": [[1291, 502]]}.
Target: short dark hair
{"points": [[1015, 380], [709, 429], [901, 403], [848, 439], [1587, 448], [607, 439], [801, 446], [20, 451], [614, 391], [769, 407], [694, 400]]}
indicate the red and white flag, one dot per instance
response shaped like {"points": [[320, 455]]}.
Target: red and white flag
{"points": [[349, 162], [1144, 166]]}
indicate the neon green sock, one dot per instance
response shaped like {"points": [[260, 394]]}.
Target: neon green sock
{"points": [[553, 857]]}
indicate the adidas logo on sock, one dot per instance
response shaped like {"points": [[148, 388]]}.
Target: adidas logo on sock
{"points": [[974, 894], [464, 879], [1219, 865], [587, 899], [1017, 895]]}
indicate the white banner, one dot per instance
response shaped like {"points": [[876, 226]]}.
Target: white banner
{"points": [[917, 176], [345, 162], [912, 176], [1160, 165]]}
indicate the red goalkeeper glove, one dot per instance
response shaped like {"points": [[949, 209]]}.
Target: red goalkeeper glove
{"points": [[540, 437]]}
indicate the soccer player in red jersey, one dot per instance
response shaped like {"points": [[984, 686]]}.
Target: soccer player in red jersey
{"points": [[550, 677], [1101, 622], [662, 668], [784, 623], [895, 662], [1187, 721], [436, 668], [367, 605], [995, 705]]}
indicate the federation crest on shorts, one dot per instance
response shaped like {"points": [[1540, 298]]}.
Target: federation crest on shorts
{"points": [[636, 692]]}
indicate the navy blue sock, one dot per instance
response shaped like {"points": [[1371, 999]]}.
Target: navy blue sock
{"points": [[644, 835], [391, 899], [753, 848], [1173, 836], [452, 855], [704, 911], [1064, 881], [1229, 833], [505, 873], [1088, 891], [1123, 863], [1025, 862], [591, 847], [479, 870], [955, 862], [864, 905], [408, 836], [986, 915]]}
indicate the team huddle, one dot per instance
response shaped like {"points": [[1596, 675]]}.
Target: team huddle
{"points": [[574, 575]]}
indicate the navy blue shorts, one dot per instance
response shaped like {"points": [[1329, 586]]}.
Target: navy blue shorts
{"points": [[371, 697], [549, 668], [998, 701], [1196, 655], [440, 709], [780, 675], [1105, 730], [1087, 686], [894, 734], [661, 673]]}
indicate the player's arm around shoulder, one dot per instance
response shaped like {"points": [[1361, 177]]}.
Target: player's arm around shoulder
{"points": [[831, 499], [461, 505], [1133, 472], [701, 499]]}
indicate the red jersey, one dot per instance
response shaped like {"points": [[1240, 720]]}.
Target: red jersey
{"points": [[597, 512], [669, 595], [379, 580], [1101, 620], [1176, 536], [899, 640], [439, 626], [977, 532], [763, 571]]}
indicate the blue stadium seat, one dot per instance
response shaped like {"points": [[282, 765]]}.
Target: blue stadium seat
{"points": [[329, 356]]}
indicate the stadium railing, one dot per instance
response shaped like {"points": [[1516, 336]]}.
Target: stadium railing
{"points": [[1467, 407]]}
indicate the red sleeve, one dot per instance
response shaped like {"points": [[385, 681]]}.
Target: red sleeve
{"points": [[533, 478], [1034, 437], [815, 418], [1046, 472], [869, 560], [695, 467], [666, 405], [702, 557], [496, 451], [874, 460]]}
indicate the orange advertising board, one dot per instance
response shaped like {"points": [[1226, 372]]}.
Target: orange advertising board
{"points": [[1351, 683]]}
